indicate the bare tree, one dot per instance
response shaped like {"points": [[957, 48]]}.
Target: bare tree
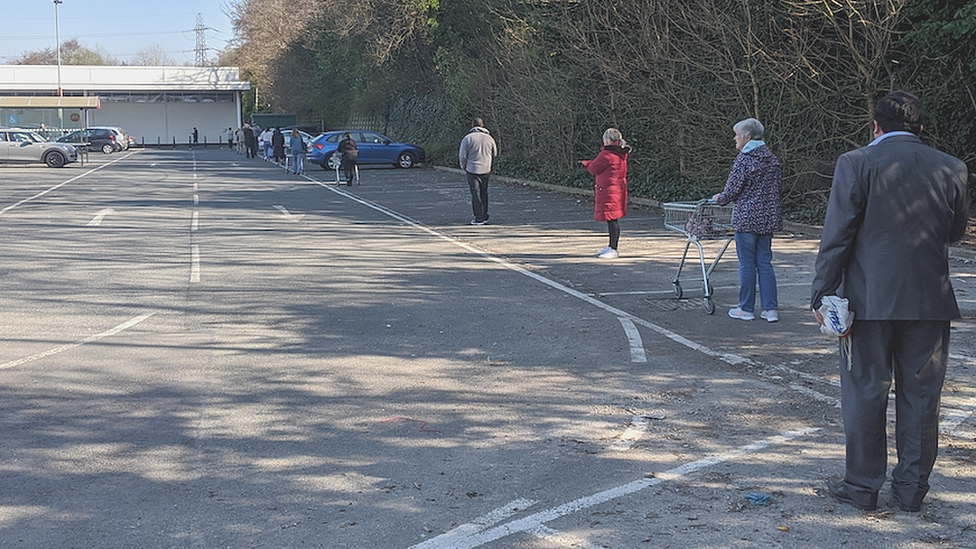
{"points": [[153, 55]]}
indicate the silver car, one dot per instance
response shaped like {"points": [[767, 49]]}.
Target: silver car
{"points": [[17, 145]]}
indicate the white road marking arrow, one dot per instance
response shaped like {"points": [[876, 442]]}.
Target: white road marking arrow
{"points": [[97, 220], [287, 214]]}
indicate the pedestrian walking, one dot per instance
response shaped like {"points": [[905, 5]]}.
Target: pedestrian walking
{"points": [[609, 169], [894, 208], [753, 184], [196, 136], [477, 150]]}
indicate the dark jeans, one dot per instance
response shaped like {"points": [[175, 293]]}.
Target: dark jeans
{"points": [[479, 195]]}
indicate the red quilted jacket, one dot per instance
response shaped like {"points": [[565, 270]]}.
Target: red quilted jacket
{"points": [[610, 187]]}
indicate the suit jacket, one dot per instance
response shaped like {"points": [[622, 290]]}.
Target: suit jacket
{"points": [[893, 210]]}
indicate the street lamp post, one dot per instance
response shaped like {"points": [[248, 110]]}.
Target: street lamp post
{"points": [[57, 38]]}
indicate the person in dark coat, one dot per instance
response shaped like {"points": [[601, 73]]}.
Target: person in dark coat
{"points": [[350, 155], [278, 146], [250, 142], [753, 184], [894, 208], [610, 187]]}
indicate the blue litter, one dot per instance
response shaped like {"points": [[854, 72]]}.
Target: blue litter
{"points": [[757, 499]]}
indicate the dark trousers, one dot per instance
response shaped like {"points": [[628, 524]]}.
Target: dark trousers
{"points": [[913, 354], [613, 227], [479, 195], [348, 169]]}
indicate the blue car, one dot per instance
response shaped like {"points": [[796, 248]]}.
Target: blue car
{"points": [[373, 147]]}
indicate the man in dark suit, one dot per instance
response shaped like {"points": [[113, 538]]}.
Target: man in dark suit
{"points": [[895, 205]]}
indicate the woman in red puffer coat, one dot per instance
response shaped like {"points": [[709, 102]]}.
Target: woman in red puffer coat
{"points": [[610, 187]]}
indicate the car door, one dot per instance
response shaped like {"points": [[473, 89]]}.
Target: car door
{"points": [[21, 147], [3, 146], [371, 145]]}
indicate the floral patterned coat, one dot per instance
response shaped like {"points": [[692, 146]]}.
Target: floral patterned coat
{"points": [[753, 184]]}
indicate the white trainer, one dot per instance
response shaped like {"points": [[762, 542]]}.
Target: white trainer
{"points": [[603, 251], [770, 315], [609, 254], [740, 314]]}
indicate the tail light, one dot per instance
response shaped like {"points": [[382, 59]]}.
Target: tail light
{"points": [[318, 146]]}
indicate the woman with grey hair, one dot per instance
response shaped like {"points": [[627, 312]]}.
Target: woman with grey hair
{"points": [[753, 184]]}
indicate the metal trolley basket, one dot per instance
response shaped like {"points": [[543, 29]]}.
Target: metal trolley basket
{"points": [[698, 221]]}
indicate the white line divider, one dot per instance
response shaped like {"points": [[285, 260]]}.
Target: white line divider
{"points": [[194, 263], [633, 336], [532, 523], [69, 346]]}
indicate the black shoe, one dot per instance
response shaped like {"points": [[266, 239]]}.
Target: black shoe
{"points": [[835, 487]]}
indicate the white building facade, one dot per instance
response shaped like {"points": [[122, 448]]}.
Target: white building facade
{"points": [[156, 105]]}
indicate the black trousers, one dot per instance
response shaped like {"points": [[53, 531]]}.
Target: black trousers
{"points": [[912, 354]]}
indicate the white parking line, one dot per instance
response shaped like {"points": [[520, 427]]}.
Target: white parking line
{"points": [[96, 337], [633, 336], [533, 523]]}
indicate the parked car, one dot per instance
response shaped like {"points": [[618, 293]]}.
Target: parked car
{"points": [[19, 145], [374, 148], [105, 139]]}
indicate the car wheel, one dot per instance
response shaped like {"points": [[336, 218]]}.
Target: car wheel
{"points": [[333, 161], [55, 159], [405, 160], [108, 148]]}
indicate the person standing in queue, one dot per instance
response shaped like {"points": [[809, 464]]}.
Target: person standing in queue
{"points": [[278, 146], [297, 147], [894, 208], [250, 141], [610, 187], [350, 155], [478, 149], [753, 184]]}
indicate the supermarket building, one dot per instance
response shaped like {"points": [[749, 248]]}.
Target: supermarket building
{"points": [[156, 105]]}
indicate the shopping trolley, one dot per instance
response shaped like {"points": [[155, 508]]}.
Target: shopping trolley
{"points": [[698, 221], [337, 161]]}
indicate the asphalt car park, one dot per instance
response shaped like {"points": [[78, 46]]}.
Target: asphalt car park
{"points": [[200, 349]]}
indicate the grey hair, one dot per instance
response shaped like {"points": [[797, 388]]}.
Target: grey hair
{"points": [[613, 134], [751, 127]]}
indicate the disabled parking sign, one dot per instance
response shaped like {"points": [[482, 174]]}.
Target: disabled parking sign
{"points": [[11, 119]]}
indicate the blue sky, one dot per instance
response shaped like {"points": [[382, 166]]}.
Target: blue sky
{"points": [[120, 27]]}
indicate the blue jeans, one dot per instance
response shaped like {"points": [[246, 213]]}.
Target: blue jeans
{"points": [[756, 258], [296, 162]]}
